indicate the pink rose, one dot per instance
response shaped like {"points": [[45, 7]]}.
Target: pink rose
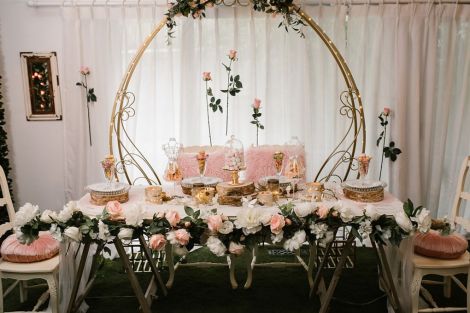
{"points": [[236, 248], [232, 54], [173, 217], [182, 237], [257, 103], [114, 209], [214, 222], [84, 70], [157, 242], [288, 221], [277, 223], [386, 111], [187, 224], [322, 211], [206, 76]]}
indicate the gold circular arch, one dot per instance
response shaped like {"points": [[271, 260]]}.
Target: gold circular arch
{"points": [[123, 101]]}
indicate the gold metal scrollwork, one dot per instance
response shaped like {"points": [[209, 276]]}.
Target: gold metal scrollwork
{"points": [[342, 155]]}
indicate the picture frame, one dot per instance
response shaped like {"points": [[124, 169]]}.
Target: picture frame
{"points": [[41, 86]]}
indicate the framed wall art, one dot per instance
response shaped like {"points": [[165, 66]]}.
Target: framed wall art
{"points": [[41, 86]]}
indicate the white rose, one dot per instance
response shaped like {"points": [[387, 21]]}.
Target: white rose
{"points": [[48, 216], [346, 214], [275, 238], [73, 233], [328, 237], [134, 215], [296, 241], [404, 221], [125, 233], [67, 212], [56, 232], [235, 248], [371, 211], [216, 246], [303, 209], [365, 229], [226, 228], [25, 214], [318, 229], [424, 220], [249, 220], [103, 231]]}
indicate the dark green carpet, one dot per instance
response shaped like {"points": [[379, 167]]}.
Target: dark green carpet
{"points": [[208, 290]]}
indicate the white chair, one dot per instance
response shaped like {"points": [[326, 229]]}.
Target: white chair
{"points": [[22, 272], [446, 268]]}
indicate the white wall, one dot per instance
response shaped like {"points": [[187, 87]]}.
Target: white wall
{"points": [[36, 148]]}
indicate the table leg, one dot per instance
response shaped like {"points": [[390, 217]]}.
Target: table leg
{"points": [[131, 275], [78, 277], [231, 266], [337, 274], [249, 269], [312, 255], [148, 256]]}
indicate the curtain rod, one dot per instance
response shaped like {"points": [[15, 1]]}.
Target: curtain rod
{"points": [[159, 3]]}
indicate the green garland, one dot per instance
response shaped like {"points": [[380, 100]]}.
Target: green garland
{"points": [[4, 161]]}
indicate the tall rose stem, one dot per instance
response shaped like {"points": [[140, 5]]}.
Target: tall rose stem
{"points": [[257, 128], [208, 120], [228, 94], [383, 145], [87, 108]]}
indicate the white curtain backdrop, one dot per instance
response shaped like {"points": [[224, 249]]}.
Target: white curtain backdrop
{"points": [[412, 58]]}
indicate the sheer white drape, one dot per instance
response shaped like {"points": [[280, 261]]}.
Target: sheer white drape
{"points": [[413, 58]]}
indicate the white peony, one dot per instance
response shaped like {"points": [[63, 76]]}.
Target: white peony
{"points": [[424, 220], [103, 231], [56, 232], [216, 246], [251, 220], [73, 233], [125, 233], [319, 229], [296, 241], [67, 212], [365, 229], [404, 221], [303, 209], [277, 238], [48, 216], [346, 214], [134, 215], [25, 214], [371, 211], [226, 228], [327, 238]]}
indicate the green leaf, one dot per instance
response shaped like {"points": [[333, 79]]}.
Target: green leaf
{"points": [[233, 92], [239, 84], [356, 233], [392, 144], [212, 99], [231, 78], [79, 84], [393, 157], [253, 122], [188, 210], [93, 98], [261, 126], [218, 101], [224, 90], [220, 109], [396, 151], [237, 78]]}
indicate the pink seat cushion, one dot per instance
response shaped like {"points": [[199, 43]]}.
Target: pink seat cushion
{"points": [[44, 248], [260, 162], [435, 245], [215, 162]]}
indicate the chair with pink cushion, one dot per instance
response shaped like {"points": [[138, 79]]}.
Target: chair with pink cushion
{"points": [[215, 162], [39, 260], [259, 160], [443, 255]]}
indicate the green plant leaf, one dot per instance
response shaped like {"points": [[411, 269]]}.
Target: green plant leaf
{"points": [[239, 84], [188, 210]]}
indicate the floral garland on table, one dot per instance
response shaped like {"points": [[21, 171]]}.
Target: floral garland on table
{"points": [[295, 224]]}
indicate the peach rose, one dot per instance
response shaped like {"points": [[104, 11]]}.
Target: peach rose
{"points": [[386, 111], [84, 70], [232, 54], [257, 103], [182, 237], [214, 222], [206, 76], [236, 248], [157, 242], [288, 221], [173, 217], [114, 209], [322, 211], [277, 223]]}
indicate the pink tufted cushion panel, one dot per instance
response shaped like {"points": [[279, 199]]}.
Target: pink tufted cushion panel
{"points": [[260, 163], [44, 248], [215, 162], [435, 245]]}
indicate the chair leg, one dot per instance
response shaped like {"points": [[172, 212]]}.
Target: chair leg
{"points": [[415, 287], [53, 294], [23, 286], [447, 286]]}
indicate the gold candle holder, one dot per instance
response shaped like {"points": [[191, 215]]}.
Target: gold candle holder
{"points": [[266, 198], [315, 191], [154, 194], [203, 195]]}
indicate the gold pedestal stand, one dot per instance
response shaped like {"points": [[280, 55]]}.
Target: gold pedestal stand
{"points": [[232, 192]]}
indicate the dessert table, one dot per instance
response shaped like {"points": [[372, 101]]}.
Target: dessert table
{"points": [[390, 205]]}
